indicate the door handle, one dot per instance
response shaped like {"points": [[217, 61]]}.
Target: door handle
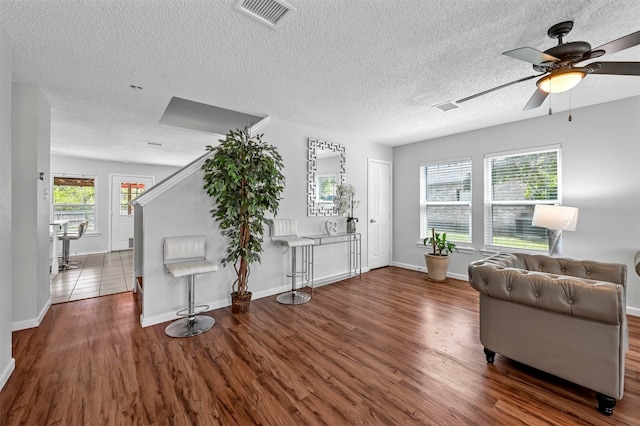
{"points": [[372, 221]]}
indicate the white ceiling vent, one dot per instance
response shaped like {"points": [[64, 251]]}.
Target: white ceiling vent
{"points": [[272, 13]]}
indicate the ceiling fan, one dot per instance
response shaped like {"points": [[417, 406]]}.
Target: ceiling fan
{"points": [[558, 65]]}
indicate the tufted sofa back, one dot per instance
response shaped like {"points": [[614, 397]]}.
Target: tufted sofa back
{"points": [[612, 272], [584, 289]]}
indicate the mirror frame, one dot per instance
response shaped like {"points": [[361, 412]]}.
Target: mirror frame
{"points": [[313, 207]]}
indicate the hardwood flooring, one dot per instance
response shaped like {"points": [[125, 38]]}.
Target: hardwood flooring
{"points": [[388, 350]]}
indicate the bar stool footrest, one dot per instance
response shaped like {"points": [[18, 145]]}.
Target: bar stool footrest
{"points": [[298, 275], [185, 312]]}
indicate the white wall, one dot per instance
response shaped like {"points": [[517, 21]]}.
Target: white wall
{"points": [[7, 363], [98, 242], [601, 176], [184, 210], [30, 203]]}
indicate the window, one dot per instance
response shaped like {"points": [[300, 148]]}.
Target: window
{"points": [[514, 184], [74, 200], [129, 191], [445, 200]]}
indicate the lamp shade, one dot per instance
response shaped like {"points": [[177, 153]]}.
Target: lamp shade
{"points": [[560, 81], [555, 217]]}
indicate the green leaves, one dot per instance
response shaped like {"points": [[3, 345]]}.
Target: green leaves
{"points": [[244, 178], [440, 245]]}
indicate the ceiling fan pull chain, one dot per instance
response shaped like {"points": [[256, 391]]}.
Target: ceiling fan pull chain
{"points": [[550, 112], [570, 118]]}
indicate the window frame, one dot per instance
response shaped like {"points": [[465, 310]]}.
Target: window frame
{"points": [[96, 228], [488, 194], [424, 203]]}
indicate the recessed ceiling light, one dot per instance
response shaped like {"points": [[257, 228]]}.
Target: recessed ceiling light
{"points": [[134, 87], [154, 143]]}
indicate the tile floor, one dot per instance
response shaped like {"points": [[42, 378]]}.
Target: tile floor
{"points": [[95, 275]]}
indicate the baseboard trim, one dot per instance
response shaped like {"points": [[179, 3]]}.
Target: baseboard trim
{"points": [[170, 316], [633, 311], [34, 322], [330, 279], [6, 372], [630, 310], [460, 277]]}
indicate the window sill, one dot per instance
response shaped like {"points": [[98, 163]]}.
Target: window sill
{"points": [[461, 249], [491, 250]]}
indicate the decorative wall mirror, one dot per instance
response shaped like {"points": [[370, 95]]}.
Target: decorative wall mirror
{"points": [[326, 170]]}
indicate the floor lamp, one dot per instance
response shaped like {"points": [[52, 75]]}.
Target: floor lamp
{"points": [[556, 219]]}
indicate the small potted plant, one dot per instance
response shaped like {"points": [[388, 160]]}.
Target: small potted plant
{"points": [[244, 178], [438, 260]]}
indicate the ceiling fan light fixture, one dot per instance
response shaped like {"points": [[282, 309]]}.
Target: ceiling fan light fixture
{"points": [[560, 81]]}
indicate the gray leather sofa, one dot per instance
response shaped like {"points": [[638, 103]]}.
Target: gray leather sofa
{"points": [[563, 316]]}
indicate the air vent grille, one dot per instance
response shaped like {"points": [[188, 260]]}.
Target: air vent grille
{"points": [[269, 12], [447, 106]]}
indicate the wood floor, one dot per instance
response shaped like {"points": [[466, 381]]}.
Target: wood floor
{"points": [[392, 349]]}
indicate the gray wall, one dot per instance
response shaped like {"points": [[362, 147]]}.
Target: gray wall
{"points": [[30, 200], [7, 363], [98, 242], [601, 176], [184, 210]]}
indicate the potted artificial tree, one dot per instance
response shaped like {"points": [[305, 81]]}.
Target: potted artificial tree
{"points": [[244, 178], [438, 260]]}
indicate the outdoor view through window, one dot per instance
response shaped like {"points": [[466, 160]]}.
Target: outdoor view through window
{"points": [[74, 200]]}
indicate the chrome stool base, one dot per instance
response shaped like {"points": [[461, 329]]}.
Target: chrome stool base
{"points": [[293, 298], [188, 327]]}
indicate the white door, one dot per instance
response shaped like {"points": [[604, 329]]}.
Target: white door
{"points": [[379, 212], [123, 190]]}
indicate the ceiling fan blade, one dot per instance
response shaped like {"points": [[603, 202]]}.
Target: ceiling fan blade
{"points": [[531, 55], [536, 100], [616, 68], [622, 43], [498, 88]]}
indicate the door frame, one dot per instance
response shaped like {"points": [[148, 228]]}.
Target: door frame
{"points": [[112, 176], [390, 164]]}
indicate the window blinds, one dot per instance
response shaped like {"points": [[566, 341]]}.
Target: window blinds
{"points": [[445, 199]]}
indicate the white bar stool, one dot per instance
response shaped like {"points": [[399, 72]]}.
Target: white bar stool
{"points": [[66, 239], [185, 256], [285, 232]]}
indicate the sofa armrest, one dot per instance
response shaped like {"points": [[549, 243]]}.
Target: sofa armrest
{"points": [[594, 300]]}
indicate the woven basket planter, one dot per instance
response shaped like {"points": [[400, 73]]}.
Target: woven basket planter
{"points": [[240, 304]]}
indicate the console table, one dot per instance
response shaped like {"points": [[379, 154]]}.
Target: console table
{"points": [[354, 241]]}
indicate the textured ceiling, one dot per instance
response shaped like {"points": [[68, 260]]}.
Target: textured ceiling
{"points": [[367, 68]]}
